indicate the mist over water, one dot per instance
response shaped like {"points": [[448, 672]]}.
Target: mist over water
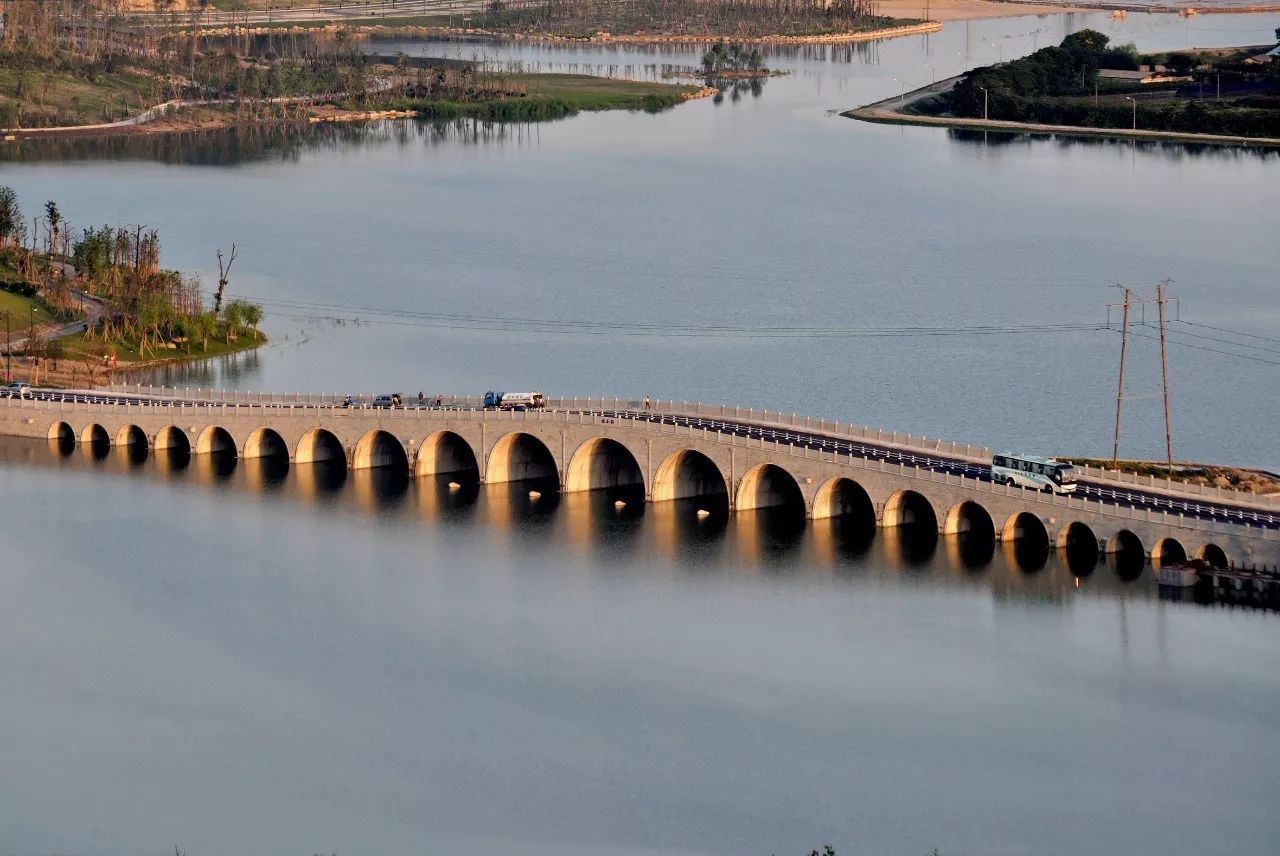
{"points": [[247, 656]]}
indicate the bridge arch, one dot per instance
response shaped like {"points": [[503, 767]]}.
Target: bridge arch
{"points": [[1079, 545], [265, 443], [215, 440], [685, 474], [378, 448], [769, 486], [1168, 551], [94, 436], [969, 518], [445, 452], [842, 497], [61, 432], [519, 456], [909, 508], [319, 445], [1024, 526], [173, 437], [131, 435], [1126, 554], [1214, 555], [601, 463]]}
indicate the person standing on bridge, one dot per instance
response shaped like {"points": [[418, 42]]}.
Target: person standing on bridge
{"points": [[647, 403]]}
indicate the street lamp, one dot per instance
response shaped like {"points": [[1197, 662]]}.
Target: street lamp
{"points": [[984, 102], [1135, 110], [933, 74], [902, 92], [8, 370]]}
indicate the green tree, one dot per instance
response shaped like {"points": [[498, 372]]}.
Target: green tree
{"points": [[12, 227], [252, 315], [54, 216]]}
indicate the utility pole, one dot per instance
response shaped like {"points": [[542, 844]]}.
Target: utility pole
{"points": [[1124, 345], [1164, 376], [8, 347]]}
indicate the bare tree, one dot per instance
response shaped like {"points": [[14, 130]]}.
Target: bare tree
{"points": [[224, 273]]}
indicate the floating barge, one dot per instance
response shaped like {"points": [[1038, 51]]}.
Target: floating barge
{"points": [[1206, 584]]}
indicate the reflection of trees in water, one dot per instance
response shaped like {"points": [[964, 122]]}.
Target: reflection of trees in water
{"points": [[1172, 151], [735, 89], [216, 371], [233, 146]]}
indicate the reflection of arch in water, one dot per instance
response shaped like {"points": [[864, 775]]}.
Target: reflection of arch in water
{"points": [[518, 457]]}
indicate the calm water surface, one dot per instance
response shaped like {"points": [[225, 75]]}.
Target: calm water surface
{"points": [[241, 660]]}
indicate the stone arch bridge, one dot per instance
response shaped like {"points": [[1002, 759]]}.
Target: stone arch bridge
{"points": [[714, 457]]}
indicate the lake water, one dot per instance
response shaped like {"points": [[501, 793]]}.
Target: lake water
{"points": [[237, 660]]}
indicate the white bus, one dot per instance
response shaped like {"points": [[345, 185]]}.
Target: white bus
{"points": [[1034, 473]]}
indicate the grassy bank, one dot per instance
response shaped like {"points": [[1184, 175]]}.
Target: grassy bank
{"points": [[553, 96], [78, 346], [39, 97], [1227, 478]]}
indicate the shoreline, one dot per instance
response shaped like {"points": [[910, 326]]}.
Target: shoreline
{"points": [[423, 31], [888, 112]]}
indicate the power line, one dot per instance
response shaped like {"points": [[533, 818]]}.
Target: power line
{"points": [[1230, 332]]}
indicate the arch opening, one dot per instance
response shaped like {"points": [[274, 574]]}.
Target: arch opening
{"points": [[62, 438], [913, 526], [520, 457], [131, 435], [1029, 539], [841, 497], [319, 445], [61, 432], [1168, 551], [1126, 554], [378, 449], [214, 440], [770, 486], [1079, 545], [96, 440], [266, 443], [1213, 555], [687, 474], [603, 464], [908, 508], [445, 452], [974, 533], [173, 438]]}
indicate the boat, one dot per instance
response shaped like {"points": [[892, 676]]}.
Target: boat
{"points": [[1178, 575]]}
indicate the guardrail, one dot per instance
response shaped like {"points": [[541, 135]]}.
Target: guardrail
{"points": [[756, 416]]}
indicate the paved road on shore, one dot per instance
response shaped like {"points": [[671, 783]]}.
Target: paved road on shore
{"points": [[1243, 513]]}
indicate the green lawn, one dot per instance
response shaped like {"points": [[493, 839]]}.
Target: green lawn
{"points": [[32, 98], [20, 308], [77, 344]]}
